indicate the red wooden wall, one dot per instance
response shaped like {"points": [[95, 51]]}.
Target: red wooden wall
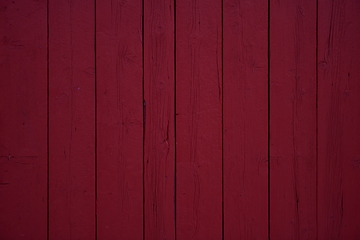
{"points": [[180, 119]]}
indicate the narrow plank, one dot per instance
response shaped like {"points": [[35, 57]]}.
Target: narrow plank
{"points": [[23, 121], [338, 119], [72, 120], [245, 112], [159, 142], [293, 119], [119, 119], [199, 119]]}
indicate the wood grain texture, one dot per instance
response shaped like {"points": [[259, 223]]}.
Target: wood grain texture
{"points": [[199, 119], [159, 144], [151, 119], [23, 121], [245, 119], [293, 119], [72, 120], [338, 119], [119, 119]]}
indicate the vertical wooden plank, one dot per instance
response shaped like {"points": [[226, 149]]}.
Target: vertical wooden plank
{"points": [[72, 124], [159, 119], [199, 119], [23, 121], [293, 119], [338, 119], [245, 119], [119, 119]]}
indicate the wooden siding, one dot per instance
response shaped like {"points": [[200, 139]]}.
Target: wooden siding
{"points": [[180, 119]]}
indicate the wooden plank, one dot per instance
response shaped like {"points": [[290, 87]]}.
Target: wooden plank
{"points": [[119, 119], [23, 121], [338, 119], [293, 119], [199, 119], [72, 120], [245, 112], [159, 141]]}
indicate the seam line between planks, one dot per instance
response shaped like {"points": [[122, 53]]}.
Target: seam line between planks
{"points": [[317, 117], [269, 105], [143, 112], [222, 124], [96, 129], [175, 152], [48, 119]]}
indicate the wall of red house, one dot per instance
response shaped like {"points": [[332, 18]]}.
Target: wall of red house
{"points": [[180, 119]]}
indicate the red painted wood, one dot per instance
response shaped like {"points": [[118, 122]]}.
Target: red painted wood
{"points": [[219, 185], [159, 113], [293, 120], [72, 118], [198, 122], [245, 119], [23, 121], [119, 119], [338, 119]]}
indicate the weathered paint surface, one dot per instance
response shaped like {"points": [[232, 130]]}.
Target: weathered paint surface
{"points": [[245, 119], [293, 119], [164, 119], [158, 114], [23, 120], [119, 72], [71, 120], [339, 117], [198, 120]]}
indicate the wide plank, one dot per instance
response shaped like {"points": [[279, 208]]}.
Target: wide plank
{"points": [[293, 119], [72, 119], [119, 82], [23, 120], [245, 117], [158, 112], [199, 119], [338, 119]]}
